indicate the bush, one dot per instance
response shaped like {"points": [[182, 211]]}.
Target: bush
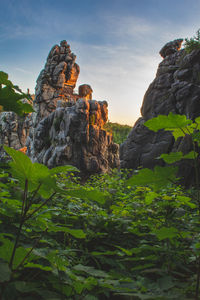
{"points": [[192, 43]]}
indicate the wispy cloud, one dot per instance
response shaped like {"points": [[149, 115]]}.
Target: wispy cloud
{"points": [[128, 26], [22, 70]]}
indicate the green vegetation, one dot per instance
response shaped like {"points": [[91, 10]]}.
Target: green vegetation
{"points": [[115, 237], [120, 132], [192, 43], [10, 96]]}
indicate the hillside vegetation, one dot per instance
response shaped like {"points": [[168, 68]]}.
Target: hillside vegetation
{"points": [[119, 132]]}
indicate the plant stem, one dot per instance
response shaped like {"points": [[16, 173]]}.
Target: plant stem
{"points": [[16, 242], [30, 251], [38, 208], [23, 214], [198, 279], [24, 198], [34, 194]]}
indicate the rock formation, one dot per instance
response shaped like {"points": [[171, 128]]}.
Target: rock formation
{"points": [[56, 81], [176, 89], [68, 127], [14, 130]]}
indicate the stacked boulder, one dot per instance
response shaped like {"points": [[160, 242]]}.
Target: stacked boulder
{"points": [[68, 127]]}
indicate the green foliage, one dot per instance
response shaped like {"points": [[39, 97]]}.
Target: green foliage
{"points": [[192, 43], [119, 132], [115, 237], [158, 178], [10, 96]]}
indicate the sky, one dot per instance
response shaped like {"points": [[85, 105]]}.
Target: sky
{"points": [[117, 43]]}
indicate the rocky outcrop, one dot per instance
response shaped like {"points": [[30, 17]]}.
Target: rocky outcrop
{"points": [[14, 129], [74, 135], [56, 81], [176, 89], [68, 127], [171, 47]]}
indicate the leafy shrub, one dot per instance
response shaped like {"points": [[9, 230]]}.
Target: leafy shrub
{"points": [[192, 43]]}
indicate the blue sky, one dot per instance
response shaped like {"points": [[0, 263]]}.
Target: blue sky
{"points": [[116, 42]]}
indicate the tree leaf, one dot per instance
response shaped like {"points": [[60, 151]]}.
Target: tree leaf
{"points": [[172, 157], [191, 155], [38, 266], [63, 169], [5, 272], [172, 121], [159, 177], [4, 79], [77, 233], [166, 233], [186, 201], [90, 270], [89, 194], [149, 197], [36, 174]]}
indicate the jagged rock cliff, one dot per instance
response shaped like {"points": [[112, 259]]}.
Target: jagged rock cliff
{"points": [[68, 127], [176, 89]]}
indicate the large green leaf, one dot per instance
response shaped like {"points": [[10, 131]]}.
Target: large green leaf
{"points": [[77, 233], [11, 95], [10, 100], [159, 177], [172, 157], [91, 270], [179, 125], [171, 121], [38, 266], [185, 201], [177, 156], [36, 174], [89, 194], [166, 233], [63, 169], [149, 197], [4, 79], [21, 165], [6, 251]]}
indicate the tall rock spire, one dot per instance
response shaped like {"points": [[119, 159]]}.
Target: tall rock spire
{"points": [[68, 127]]}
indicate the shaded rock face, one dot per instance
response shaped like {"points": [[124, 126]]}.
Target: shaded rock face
{"points": [[14, 131], [176, 89], [68, 127], [74, 135]]}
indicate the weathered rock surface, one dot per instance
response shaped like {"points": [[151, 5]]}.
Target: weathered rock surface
{"points": [[176, 89], [56, 81], [74, 135], [68, 127], [13, 129]]}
